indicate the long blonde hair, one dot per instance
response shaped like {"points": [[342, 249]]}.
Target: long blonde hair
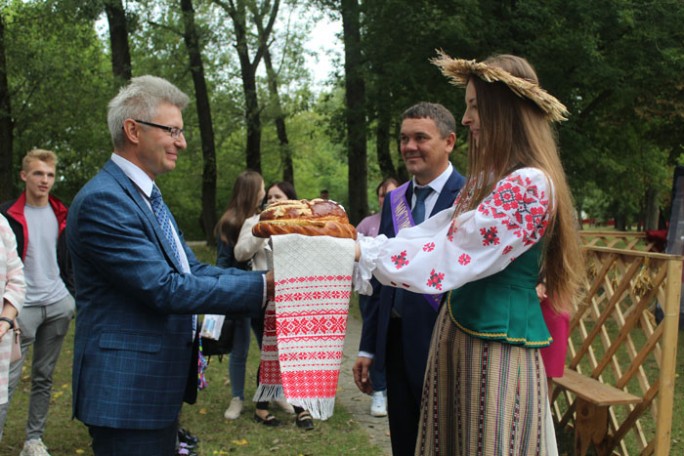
{"points": [[243, 204], [514, 132]]}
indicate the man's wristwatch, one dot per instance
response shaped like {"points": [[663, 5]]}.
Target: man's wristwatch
{"points": [[9, 321]]}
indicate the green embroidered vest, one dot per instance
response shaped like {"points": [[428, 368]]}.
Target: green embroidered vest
{"points": [[504, 306]]}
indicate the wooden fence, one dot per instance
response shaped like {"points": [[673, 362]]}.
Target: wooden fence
{"points": [[626, 240], [615, 339]]}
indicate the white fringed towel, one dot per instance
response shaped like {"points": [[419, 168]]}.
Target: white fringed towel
{"points": [[313, 277]]}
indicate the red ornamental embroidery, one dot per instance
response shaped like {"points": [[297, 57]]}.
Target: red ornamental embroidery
{"points": [[429, 247], [507, 196], [521, 206], [435, 280], [464, 259], [507, 249], [400, 260], [489, 236]]}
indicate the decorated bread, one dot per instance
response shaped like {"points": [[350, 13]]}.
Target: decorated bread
{"points": [[317, 217]]}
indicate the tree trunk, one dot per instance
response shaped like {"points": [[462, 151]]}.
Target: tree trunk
{"points": [[355, 111], [205, 122], [652, 210], [6, 124], [272, 77], [237, 12], [281, 129], [382, 140], [118, 37]]}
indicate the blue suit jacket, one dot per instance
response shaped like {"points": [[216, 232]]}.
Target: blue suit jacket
{"points": [[133, 347], [418, 317]]}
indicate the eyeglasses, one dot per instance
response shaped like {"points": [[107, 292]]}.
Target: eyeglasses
{"points": [[175, 132]]}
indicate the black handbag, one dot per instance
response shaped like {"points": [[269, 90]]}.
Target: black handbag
{"points": [[224, 344]]}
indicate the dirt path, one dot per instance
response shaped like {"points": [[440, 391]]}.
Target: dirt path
{"points": [[355, 402]]}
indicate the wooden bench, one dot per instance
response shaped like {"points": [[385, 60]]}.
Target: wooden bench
{"points": [[591, 409]]}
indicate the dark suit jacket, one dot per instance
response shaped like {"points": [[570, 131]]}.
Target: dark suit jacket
{"points": [[133, 345], [418, 317]]}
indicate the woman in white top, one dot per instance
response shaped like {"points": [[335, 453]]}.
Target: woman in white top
{"points": [[248, 192], [13, 290], [485, 387]]}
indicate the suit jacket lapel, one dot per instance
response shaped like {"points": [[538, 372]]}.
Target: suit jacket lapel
{"points": [[134, 194], [448, 194]]}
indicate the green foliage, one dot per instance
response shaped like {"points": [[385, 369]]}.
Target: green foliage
{"points": [[617, 65], [59, 88]]}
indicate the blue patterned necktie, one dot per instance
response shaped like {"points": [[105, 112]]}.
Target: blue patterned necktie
{"points": [[163, 217], [418, 211], [161, 211]]}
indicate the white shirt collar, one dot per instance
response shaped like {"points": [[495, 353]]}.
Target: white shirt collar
{"points": [[134, 173], [439, 182]]}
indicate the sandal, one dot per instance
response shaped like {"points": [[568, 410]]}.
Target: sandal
{"points": [[304, 421], [270, 420]]}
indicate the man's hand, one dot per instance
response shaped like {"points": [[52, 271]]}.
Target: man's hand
{"points": [[270, 287], [361, 378]]}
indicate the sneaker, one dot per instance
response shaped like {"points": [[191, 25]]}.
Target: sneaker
{"points": [[234, 409], [34, 447], [379, 404], [283, 404], [186, 450]]}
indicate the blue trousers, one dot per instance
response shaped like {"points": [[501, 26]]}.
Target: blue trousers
{"points": [[377, 372], [237, 365], [134, 442]]}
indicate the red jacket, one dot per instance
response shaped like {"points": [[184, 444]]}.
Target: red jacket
{"points": [[14, 213]]}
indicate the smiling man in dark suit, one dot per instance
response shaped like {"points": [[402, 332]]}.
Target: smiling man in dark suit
{"points": [[138, 285], [397, 324]]}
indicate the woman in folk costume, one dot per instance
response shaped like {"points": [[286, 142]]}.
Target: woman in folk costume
{"points": [[485, 387]]}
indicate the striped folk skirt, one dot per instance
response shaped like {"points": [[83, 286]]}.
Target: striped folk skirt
{"points": [[483, 398]]}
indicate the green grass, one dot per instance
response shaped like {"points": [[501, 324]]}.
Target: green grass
{"points": [[340, 435]]}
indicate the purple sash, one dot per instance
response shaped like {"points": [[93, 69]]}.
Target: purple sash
{"points": [[402, 218]]}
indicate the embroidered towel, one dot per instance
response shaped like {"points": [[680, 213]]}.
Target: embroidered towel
{"points": [[312, 290]]}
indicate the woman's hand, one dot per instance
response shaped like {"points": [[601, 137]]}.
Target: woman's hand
{"points": [[541, 291]]}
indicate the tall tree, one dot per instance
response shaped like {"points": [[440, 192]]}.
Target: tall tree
{"points": [[237, 10], [118, 38], [6, 122], [355, 113], [272, 78], [192, 43]]}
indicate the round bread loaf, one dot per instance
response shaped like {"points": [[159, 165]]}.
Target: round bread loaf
{"points": [[317, 217]]}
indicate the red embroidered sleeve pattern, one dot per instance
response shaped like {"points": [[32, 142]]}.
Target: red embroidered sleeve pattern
{"points": [[435, 280], [520, 206], [490, 236], [400, 260]]}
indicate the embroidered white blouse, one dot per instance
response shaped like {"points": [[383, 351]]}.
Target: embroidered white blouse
{"points": [[443, 253], [12, 282]]}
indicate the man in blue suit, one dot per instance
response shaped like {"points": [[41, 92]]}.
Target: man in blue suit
{"points": [[138, 285], [397, 325]]}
